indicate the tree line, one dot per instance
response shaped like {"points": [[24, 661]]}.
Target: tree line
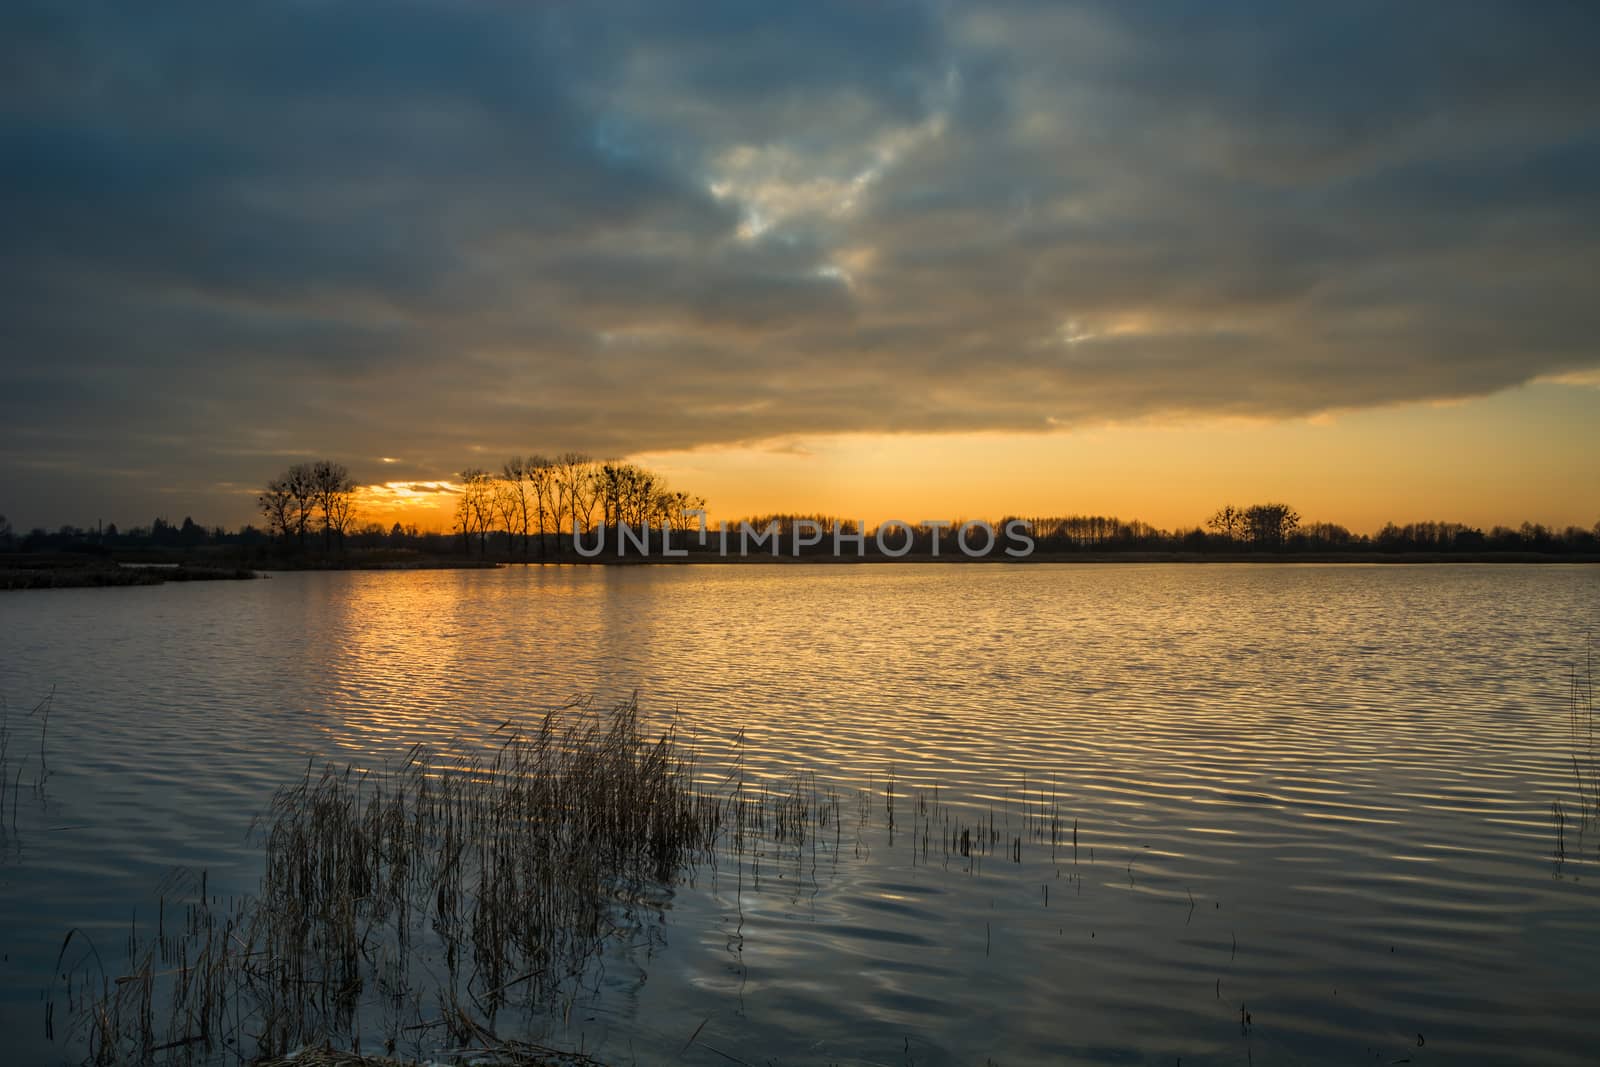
{"points": [[1270, 527], [1278, 527], [1264, 525], [529, 506], [536, 500], [308, 497]]}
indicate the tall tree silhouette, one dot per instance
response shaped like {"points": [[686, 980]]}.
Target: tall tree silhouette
{"points": [[517, 475], [277, 504], [301, 481], [334, 493], [293, 499], [475, 507], [1228, 522], [1270, 524]]}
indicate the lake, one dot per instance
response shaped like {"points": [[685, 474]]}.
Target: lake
{"points": [[1318, 794]]}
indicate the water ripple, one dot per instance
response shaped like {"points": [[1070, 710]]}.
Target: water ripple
{"points": [[1317, 794]]}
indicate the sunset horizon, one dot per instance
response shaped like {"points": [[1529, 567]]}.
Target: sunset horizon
{"points": [[1474, 466], [925, 260], [673, 533], [1523, 455]]}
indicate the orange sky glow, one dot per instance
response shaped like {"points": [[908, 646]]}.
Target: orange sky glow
{"points": [[1527, 454]]}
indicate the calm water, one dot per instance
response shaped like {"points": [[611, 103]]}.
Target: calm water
{"points": [[1321, 793]]}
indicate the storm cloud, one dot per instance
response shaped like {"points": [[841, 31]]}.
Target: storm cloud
{"points": [[235, 234]]}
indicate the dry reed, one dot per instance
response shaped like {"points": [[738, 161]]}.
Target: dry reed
{"points": [[419, 905]]}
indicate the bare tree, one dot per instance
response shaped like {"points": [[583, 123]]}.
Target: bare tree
{"points": [[339, 514], [541, 477], [608, 490], [277, 503], [301, 481], [1270, 524], [1227, 522], [685, 503], [518, 474], [475, 507], [641, 495], [506, 504], [334, 493], [574, 487]]}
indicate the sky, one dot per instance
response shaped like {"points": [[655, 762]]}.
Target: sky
{"points": [[876, 259]]}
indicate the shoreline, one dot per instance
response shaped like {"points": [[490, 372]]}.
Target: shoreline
{"points": [[57, 573], [698, 559], [18, 573]]}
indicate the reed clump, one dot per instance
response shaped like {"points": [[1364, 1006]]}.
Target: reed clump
{"points": [[1585, 811], [443, 909], [1585, 756], [414, 907]]}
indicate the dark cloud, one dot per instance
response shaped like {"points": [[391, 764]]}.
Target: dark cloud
{"points": [[236, 234]]}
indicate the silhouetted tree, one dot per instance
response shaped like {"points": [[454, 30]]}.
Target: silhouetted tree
{"points": [[368, 535], [475, 507], [1228, 522], [291, 500], [1326, 534], [334, 494], [1270, 524], [574, 492], [504, 504], [608, 489], [515, 474], [301, 481], [277, 503], [678, 504], [541, 478]]}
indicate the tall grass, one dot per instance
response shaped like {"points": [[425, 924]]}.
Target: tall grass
{"points": [[427, 901], [12, 784], [1585, 761], [434, 907], [1585, 758]]}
